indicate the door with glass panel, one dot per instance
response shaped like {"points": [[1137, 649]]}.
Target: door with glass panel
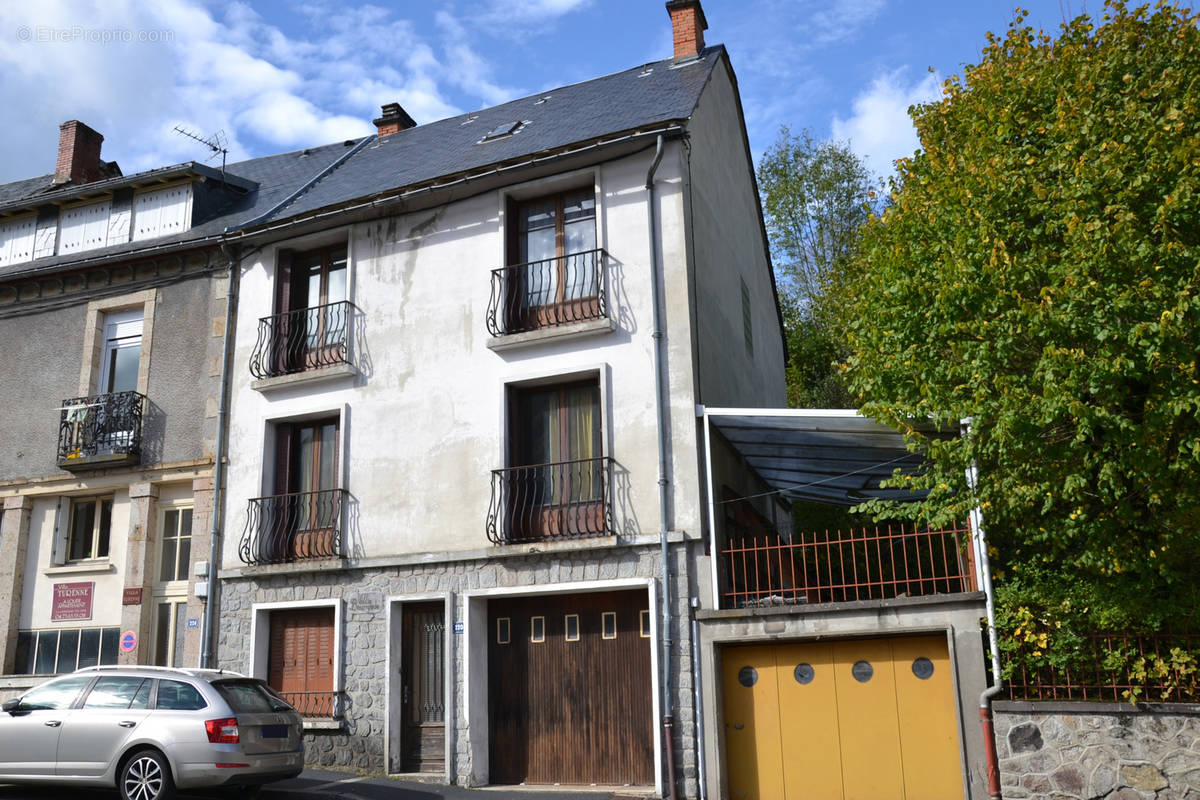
{"points": [[308, 508], [118, 375], [313, 320], [170, 591], [558, 278], [556, 487], [423, 705]]}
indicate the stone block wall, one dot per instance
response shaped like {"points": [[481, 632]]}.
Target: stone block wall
{"points": [[1085, 751], [358, 743]]}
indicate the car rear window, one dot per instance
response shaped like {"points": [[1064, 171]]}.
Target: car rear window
{"points": [[249, 697], [179, 696]]}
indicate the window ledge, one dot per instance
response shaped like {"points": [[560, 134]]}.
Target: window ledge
{"points": [[325, 374], [574, 330], [82, 568]]}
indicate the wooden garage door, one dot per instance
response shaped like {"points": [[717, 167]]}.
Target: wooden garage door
{"points": [[870, 719], [570, 689]]}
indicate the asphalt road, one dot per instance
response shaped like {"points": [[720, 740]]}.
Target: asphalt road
{"points": [[327, 785]]}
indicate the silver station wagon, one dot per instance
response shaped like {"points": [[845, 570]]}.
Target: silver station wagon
{"points": [[148, 730]]}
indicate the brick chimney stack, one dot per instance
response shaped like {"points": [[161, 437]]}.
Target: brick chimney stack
{"points": [[394, 119], [688, 24], [78, 154]]}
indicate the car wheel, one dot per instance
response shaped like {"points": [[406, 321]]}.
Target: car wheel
{"points": [[146, 776]]}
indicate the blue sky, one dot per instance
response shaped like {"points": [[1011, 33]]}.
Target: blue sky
{"points": [[287, 74]]}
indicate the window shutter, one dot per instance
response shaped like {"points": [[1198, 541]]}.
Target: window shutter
{"points": [[62, 528], [512, 233], [283, 281]]}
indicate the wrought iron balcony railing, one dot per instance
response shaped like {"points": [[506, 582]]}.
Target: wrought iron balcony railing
{"points": [[546, 293], [314, 704], [293, 527], [566, 499], [103, 429], [302, 340]]}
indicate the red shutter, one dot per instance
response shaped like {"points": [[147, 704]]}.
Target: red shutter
{"points": [[301, 650]]}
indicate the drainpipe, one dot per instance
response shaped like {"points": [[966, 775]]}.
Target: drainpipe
{"points": [[660, 387], [985, 574], [218, 501]]}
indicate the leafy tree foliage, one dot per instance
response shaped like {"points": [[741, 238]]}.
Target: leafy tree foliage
{"points": [[1039, 273], [816, 196]]}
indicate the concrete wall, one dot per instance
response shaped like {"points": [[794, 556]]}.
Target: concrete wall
{"points": [[1085, 751], [424, 419], [728, 247]]}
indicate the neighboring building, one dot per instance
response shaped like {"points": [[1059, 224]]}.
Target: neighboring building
{"points": [[110, 330], [508, 496]]}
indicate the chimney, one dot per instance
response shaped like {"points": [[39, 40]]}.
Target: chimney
{"points": [[688, 25], [78, 154], [394, 119]]}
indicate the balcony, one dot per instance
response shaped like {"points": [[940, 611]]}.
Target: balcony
{"points": [[304, 340], [762, 569], [551, 293], [101, 431], [314, 705], [561, 500], [300, 526]]}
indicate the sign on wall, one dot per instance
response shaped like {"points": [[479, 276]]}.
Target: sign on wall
{"points": [[72, 601]]}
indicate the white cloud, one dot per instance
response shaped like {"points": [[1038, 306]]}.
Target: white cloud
{"points": [[879, 129]]}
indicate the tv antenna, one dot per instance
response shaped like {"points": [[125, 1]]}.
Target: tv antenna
{"points": [[216, 143]]}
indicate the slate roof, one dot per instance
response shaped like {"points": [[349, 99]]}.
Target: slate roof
{"points": [[642, 98]]}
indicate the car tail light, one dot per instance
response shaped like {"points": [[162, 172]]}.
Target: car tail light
{"points": [[222, 731]]}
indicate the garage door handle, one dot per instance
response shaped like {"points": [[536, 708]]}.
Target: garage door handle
{"points": [[127, 724], [52, 723], [738, 726]]}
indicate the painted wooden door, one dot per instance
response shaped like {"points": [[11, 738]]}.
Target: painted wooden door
{"points": [[570, 689], [423, 693]]}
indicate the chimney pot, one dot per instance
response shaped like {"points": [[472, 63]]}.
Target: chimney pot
{"points": [[393, 120], [688, 25], [78, 154]]}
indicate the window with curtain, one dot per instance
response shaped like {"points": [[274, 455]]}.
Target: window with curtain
{"points": [[557, 436]]}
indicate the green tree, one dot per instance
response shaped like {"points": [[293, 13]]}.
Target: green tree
{"points": [[816, 196], [1039, 272]]}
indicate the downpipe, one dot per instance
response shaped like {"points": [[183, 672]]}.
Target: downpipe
{"points": [[660, 384], [218, 495], [979, 539]]}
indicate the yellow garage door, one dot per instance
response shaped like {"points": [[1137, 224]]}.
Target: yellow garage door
{"points": [[853, 720]]}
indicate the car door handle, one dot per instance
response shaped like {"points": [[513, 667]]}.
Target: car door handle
{"points": [[127, 723], [52, 723]]}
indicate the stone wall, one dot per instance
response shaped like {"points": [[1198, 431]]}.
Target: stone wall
{"points": [[358, 742], [1084, 750]]}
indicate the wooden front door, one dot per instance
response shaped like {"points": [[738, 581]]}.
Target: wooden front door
{"points": [[570, 689], [423, 707]]}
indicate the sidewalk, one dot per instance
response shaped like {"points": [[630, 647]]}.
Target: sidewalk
{"points": [[351, 786]]}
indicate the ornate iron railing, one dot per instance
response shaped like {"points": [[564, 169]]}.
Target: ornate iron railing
{"points": [[877, 563], [104, 427], [553, 291], [293, 527], [304, 339], [314, 704], [566, 499]]}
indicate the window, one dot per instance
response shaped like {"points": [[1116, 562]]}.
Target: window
{"points": [[608, 625], [91, 524], [305, 481], [160, 212], [176, 544], [312, 317], [122, 351], [300, 658], [179, 696], [557, 483], [45, 652], [170, 628], [571, 627], [115, 691], [537, 629], [55, 695], [554, 275], [503, 630]]}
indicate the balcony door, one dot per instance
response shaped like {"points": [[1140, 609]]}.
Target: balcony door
{"points": [[308, 506], [312, 319], [119, 361], [557, 486], [558, 277]]}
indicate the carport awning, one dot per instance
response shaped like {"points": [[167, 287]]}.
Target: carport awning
{"points": [[818, 455]]}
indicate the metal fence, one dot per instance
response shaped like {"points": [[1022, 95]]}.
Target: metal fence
{"points": [[101, 426], [565, 499], [303, 339], [313, 704], [293, 527], [764, 569], [1110, 667]]}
